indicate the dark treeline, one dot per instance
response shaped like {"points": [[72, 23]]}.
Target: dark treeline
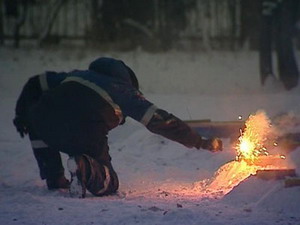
{"points": [[152, 24]]}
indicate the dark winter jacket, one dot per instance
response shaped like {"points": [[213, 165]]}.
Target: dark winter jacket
{"points": [[110, 80]]}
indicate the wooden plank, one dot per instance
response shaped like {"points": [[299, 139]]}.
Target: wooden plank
{"points": [[292, 182], [275, 174], [232, 130], [221, 129]]}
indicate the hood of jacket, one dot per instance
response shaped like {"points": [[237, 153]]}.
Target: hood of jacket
{"points": [[111, 67]]}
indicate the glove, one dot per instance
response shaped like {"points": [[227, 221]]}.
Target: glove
{"points": [[20, 125], [213, 144]]}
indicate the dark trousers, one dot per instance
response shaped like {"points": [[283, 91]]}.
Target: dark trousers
{"points": [[69, 119], [49, 160], [278, 26]]}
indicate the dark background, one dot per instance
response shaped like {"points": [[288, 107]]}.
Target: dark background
{"points": [[154, 25]]}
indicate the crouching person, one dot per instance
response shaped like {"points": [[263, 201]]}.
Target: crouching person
{"points": [[73, 113]]}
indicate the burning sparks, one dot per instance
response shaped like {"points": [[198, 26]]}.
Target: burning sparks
{"points": [[282, 157], [252, 140], [252, 156]]}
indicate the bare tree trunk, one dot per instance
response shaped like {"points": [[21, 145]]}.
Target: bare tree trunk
{"points": [[1, 24], [142, 28], [205, 21], [52, 16], [97, 28], [156, 16], [76, 27], [20, 22], [233, 7]]}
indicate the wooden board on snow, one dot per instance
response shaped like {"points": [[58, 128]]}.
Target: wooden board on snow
{"points": [[275, 174], [221, 129]]}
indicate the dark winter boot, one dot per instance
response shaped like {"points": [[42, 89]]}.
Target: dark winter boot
{"points": [[58, 182], [89, 174], [100, 181]]}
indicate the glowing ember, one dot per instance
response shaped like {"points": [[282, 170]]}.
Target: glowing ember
{"points": [[234, 172], [226, 178]]}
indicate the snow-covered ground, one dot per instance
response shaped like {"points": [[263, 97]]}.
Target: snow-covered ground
{"points": [[157, 176]]}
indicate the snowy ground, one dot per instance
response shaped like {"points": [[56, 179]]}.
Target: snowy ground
{"points": [[156, 175]]}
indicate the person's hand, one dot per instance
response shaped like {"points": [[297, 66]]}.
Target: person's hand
{"points": [[20, 125], [212, 144]]}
